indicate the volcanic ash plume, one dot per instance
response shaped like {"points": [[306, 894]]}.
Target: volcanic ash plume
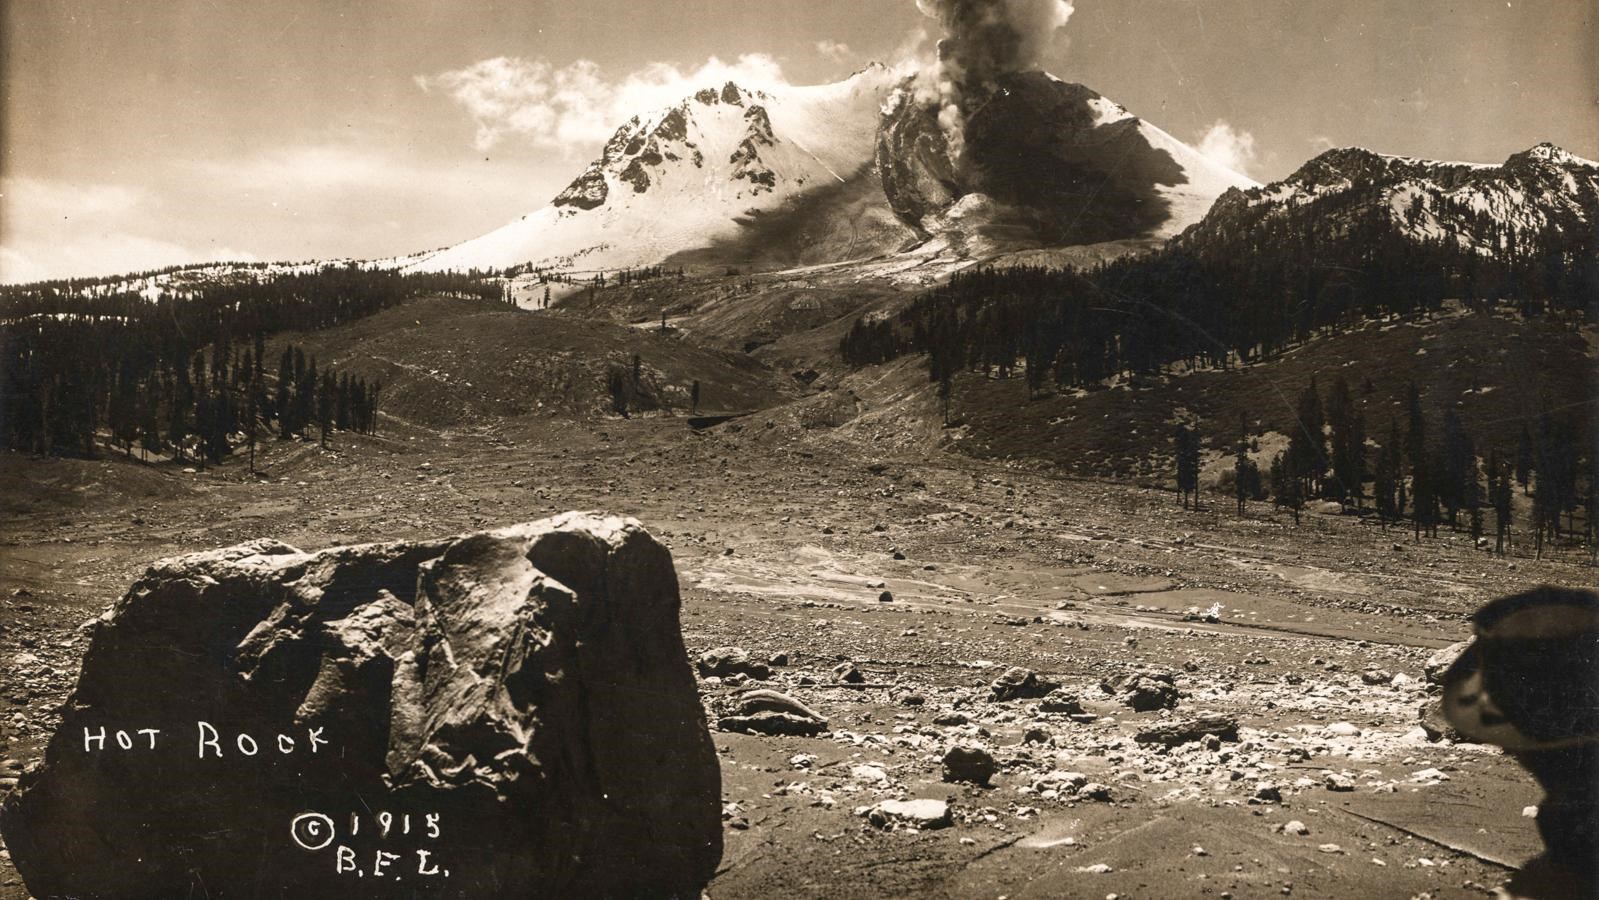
{"points": [[983, 39]]}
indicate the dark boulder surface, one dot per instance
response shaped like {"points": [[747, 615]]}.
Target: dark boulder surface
{"points": [[724, 661], [969, 764], [1020, 683], [507, 713], [769, 712], [1184, 729]]}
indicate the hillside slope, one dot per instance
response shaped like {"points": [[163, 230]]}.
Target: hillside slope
{"points": [[452, 363], [1497, 371]]}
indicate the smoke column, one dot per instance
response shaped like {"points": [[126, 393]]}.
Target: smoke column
{"points": [[983, 39]]}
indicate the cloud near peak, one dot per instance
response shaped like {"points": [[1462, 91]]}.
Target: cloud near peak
{"points": [[837, 51], [1227, 146], [578, 104]]}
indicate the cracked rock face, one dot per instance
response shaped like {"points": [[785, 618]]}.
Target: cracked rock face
{"points": [[526, 688]]}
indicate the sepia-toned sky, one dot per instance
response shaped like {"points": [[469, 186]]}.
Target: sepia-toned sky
{"points": [[138, 133]]}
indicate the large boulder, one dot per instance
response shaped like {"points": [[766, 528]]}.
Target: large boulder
{"points": [[1438, 663], [508, 713]]}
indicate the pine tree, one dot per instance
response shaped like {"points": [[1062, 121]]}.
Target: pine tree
{"points": [[1423, 487], [202, 426], [1500, 496], [149, 423], [341, 406], [1458, 478], [285, 382], [305, 394], [1348, 429], [1243, 467], [1524, 459], [1555, 489], [1307, 446], [1287, 484], [1389, 479], [325, 404], [252, 409], [616, 386], [178, 413], [372, 409], [1187, 456]]}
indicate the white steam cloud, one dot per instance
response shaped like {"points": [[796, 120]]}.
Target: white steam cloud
{"points": [[1228, 147]]}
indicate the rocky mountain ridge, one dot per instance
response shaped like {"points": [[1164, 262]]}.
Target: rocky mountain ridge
{"points": [[1536, 195]]}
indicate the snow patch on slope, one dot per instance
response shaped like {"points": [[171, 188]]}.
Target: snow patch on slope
{"points": [[1207, 180]]}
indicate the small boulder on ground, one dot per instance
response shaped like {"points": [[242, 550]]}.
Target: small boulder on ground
{"points": [[725, 661], [1338, 782], [1019, 683], [1059, 701], [920, 814], [1173, 732], [772, 713], [846, 673], [972, 765], [1145, 691]]}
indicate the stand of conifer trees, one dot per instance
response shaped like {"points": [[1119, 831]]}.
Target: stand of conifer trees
{"points": [[1213, 300], [185, 372]]}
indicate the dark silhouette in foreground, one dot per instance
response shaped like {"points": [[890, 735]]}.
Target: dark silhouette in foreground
{"points": [[1530, 684]]}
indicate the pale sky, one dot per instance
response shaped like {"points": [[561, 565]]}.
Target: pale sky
{"points": [[139, 133]]}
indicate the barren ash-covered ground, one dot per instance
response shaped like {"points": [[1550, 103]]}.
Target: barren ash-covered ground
{"points": [[877, 553]]}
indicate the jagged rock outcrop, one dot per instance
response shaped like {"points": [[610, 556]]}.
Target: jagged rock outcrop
{"points": [[587, 191], [508, 713], [1541, 195], [746, 159]]}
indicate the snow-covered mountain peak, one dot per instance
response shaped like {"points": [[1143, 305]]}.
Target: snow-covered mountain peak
{"points": [[684, 176], [838, 172], [637, 154], [1552, 155], [1560, 156]]}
